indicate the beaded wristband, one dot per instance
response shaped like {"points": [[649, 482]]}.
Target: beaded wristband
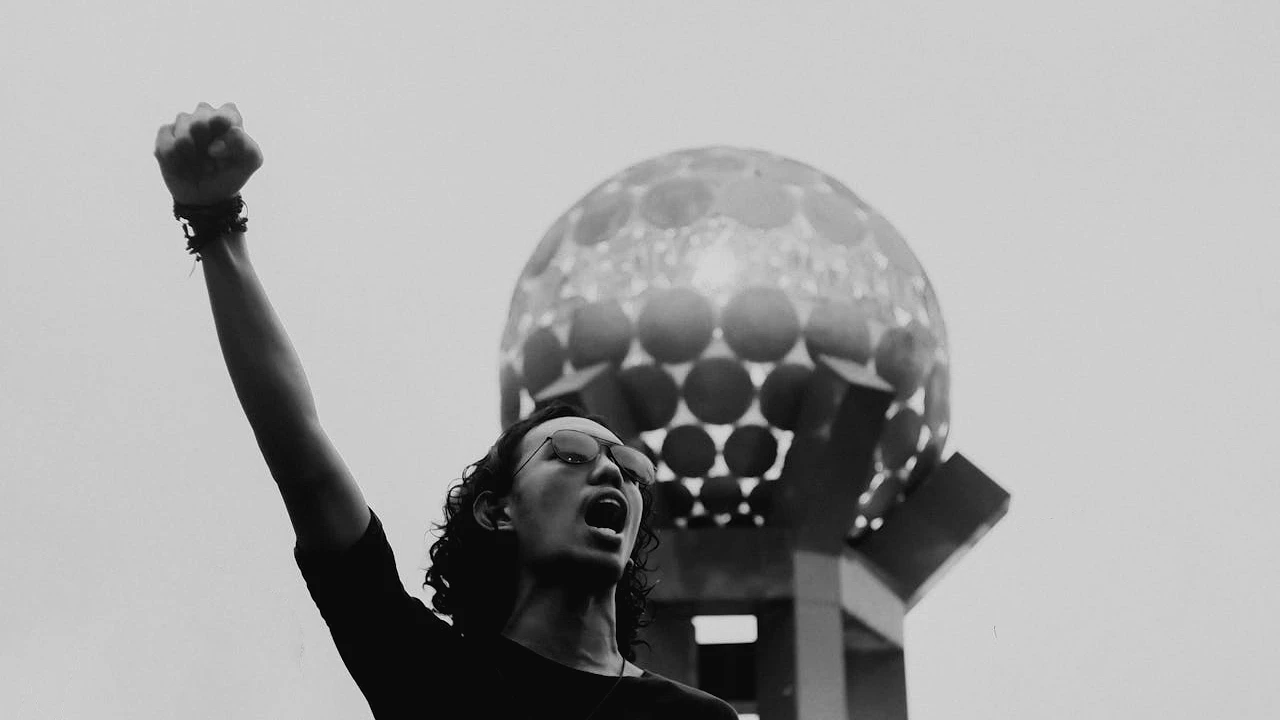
{"points": [[203, 223]]}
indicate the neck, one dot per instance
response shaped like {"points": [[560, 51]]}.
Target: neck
{"points": [[571, 626]]}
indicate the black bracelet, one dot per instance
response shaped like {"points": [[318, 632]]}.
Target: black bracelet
{"points": [[202, 223]]}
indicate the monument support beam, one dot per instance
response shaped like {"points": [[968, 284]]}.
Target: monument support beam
{"points": [[922, 537], [829, 463]]}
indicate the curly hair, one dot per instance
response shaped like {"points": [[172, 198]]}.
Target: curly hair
{"points": [[473, 570]]}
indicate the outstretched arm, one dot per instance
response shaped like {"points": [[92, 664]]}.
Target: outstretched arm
{"points": [[206, 157]]}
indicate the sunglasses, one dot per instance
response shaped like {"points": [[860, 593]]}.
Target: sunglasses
{"points": [[577, 448]]}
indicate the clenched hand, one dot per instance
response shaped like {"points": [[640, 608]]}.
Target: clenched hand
{"points": [[206, 156]]}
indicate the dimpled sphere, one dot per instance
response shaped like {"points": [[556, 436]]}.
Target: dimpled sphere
{"points": [[714, 280]]}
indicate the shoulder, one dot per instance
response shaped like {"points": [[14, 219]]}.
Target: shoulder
{"points": [[358, 589], [680, 700]]}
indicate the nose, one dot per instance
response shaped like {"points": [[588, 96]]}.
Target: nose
{"points": [[605, 471]]}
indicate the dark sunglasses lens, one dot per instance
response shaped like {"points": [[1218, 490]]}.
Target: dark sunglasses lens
{"points": [[633, 461], [575, 447]]}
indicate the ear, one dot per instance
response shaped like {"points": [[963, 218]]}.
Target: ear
{"points": [[490, 511]]}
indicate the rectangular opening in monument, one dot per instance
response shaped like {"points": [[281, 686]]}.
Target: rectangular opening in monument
{"points": [[727, 657]]}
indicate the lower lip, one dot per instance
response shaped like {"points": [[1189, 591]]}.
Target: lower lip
{"points": [[606, 535]]}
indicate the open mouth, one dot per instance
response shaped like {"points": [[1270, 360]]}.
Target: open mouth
{"points": [[607, 513]]}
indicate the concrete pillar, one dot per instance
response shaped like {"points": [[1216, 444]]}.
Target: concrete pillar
{"points": [[800, 646], [776, 661], [876, 683]]}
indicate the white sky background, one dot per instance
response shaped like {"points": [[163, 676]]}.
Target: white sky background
{"points": [[1091, 187]]}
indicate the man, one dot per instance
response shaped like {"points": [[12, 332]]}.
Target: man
{"points": [[544, 538]]}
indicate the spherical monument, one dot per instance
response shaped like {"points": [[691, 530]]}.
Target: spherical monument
{"points": [[715, 280]]}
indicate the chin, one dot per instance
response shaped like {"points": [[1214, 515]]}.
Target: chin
{"points": [[591, 569], [610, 568]]}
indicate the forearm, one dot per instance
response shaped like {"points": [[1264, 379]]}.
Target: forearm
{"points": [[325, 505], [264, 367], [205, 159]]}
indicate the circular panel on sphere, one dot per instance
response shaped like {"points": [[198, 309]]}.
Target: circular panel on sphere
{"points": [[750, 451], [839, 328], [882, 498], [900, 437], [652, 394], [718, 390], [760, 324], [757, 203], [937, 397], [715, 161], [893, 246], [842, 191], [782, 394], [676, 325], [834, 218], [600, 332], [720, 495], [676, 203], [784, 170], [761, 498], [671, 500], [903, 356], [546, 249], [689, 451], [602, 216], [646, 172], [927, 461], [543, 360]]}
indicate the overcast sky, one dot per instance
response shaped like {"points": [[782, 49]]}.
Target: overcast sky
{"points": [[1091, 187]]}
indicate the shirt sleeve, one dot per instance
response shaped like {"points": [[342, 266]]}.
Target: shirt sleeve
{"points": [[386, 637]]}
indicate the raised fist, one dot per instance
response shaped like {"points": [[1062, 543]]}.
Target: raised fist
{"points": [[206, 156]]}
